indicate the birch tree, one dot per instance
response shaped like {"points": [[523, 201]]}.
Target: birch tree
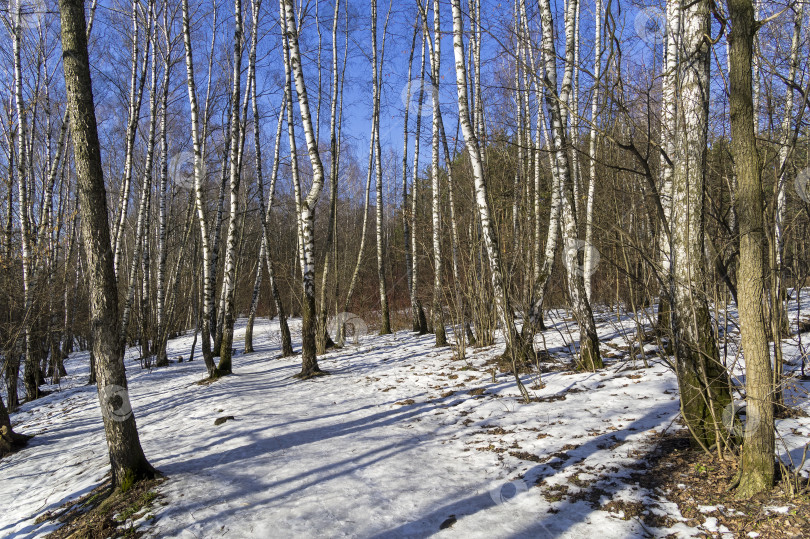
{"points": [[417, 311], [293, 66], [324, 341], [515, 347], [437, 309], [146, 186], [234, 177], [701, 376], [669, 118], [137, 82], [208, 292], [31, 370], [589, 357], [161, 360], [385, 327]]}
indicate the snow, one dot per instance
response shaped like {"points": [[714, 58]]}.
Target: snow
{"points": [[345, 455]]}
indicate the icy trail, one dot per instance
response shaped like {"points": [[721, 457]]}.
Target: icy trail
{"points": [[398, 440]]}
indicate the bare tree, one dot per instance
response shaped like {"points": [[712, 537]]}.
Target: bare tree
{"points": [[127, 459], [208, 292], [757, 466], [385, 327], [307, 215], [701, 376]]}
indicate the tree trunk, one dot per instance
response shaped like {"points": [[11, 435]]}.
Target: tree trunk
{"points": [[757, 467], [31, 378], [136, 86], [437, 309], [161, 360], [199, 168], [385, 326], [10, 441], [229, 275], [127, 459], [324, 341], [702, 378], [417, 312], [589, 357], [308, 351], [514, 344]]}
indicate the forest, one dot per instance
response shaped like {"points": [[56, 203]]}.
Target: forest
{"points": [[404, 269]]}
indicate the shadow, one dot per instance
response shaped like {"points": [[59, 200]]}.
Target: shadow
{"points": [[551, 526]]}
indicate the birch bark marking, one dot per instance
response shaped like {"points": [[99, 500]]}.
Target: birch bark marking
{"points": [[208, 292], [309, 360], [229, 275], [514, 345], [701, 377]]}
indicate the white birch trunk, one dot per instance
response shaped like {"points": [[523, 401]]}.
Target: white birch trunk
{"points": [[589, 357], [514, 346], [385, 326], [309, 361], [208, 292], [229, 273]]}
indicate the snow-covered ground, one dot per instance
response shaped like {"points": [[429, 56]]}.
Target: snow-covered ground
{"points": [[399, 441]]}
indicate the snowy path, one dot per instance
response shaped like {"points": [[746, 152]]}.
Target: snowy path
{"points": [[338, 456]]}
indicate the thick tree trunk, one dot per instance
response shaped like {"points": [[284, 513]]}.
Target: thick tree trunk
{"points": [[127, 460], [701, 377], [757, 467], [10, 441]]}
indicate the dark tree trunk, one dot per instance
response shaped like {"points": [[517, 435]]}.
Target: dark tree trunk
{"points": [[757, 467], [127, 459], [9, 440]]}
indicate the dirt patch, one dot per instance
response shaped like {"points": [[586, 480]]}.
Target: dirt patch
{"points": [[105, 512], [698, 484], [405, 402]]}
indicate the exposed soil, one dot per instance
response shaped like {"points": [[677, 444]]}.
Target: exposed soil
{"points": [[699, 485], [105, 513]]}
